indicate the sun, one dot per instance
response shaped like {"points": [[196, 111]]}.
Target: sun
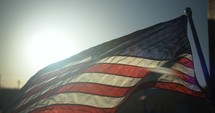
{"points": [[48, 46]]}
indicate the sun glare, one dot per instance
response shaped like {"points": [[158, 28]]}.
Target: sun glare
{"points": [[49, 46]]}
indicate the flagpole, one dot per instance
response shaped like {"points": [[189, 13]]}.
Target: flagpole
{"points": [[198, 47], [211, 28]]}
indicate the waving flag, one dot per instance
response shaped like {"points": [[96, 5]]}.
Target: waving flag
{"points": [[101, 79]]}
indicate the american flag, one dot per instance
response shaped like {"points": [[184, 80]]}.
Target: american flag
{"points": [[102, 78]]}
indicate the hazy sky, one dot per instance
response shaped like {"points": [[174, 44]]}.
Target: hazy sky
{"points": [[35, 33]]}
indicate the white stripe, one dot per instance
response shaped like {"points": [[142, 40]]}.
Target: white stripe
{"points": [[107, 79], [100, 78], [174, 79], [71, 64], [162, 70], [171, 79], [79, 62], [183, 69], [169, 75], [77, 98], [188, 56], [133, 61]]}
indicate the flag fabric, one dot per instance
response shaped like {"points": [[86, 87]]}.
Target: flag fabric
{"points": [[101, 79]]}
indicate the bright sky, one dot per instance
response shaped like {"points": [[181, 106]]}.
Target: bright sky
{"points": [[35, 33]]}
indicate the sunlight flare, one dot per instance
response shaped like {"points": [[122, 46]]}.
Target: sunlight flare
{"points": [[48, 46]]}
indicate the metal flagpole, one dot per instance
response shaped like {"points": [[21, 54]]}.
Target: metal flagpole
{"points": [[201, 57], [198, 47], [211, 34]]}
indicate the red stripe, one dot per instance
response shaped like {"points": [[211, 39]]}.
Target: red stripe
{"points": [[119, 69], [179, 88], [172, 87], [186, 62], [72, 109], [131, 71], [97, 89]]}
